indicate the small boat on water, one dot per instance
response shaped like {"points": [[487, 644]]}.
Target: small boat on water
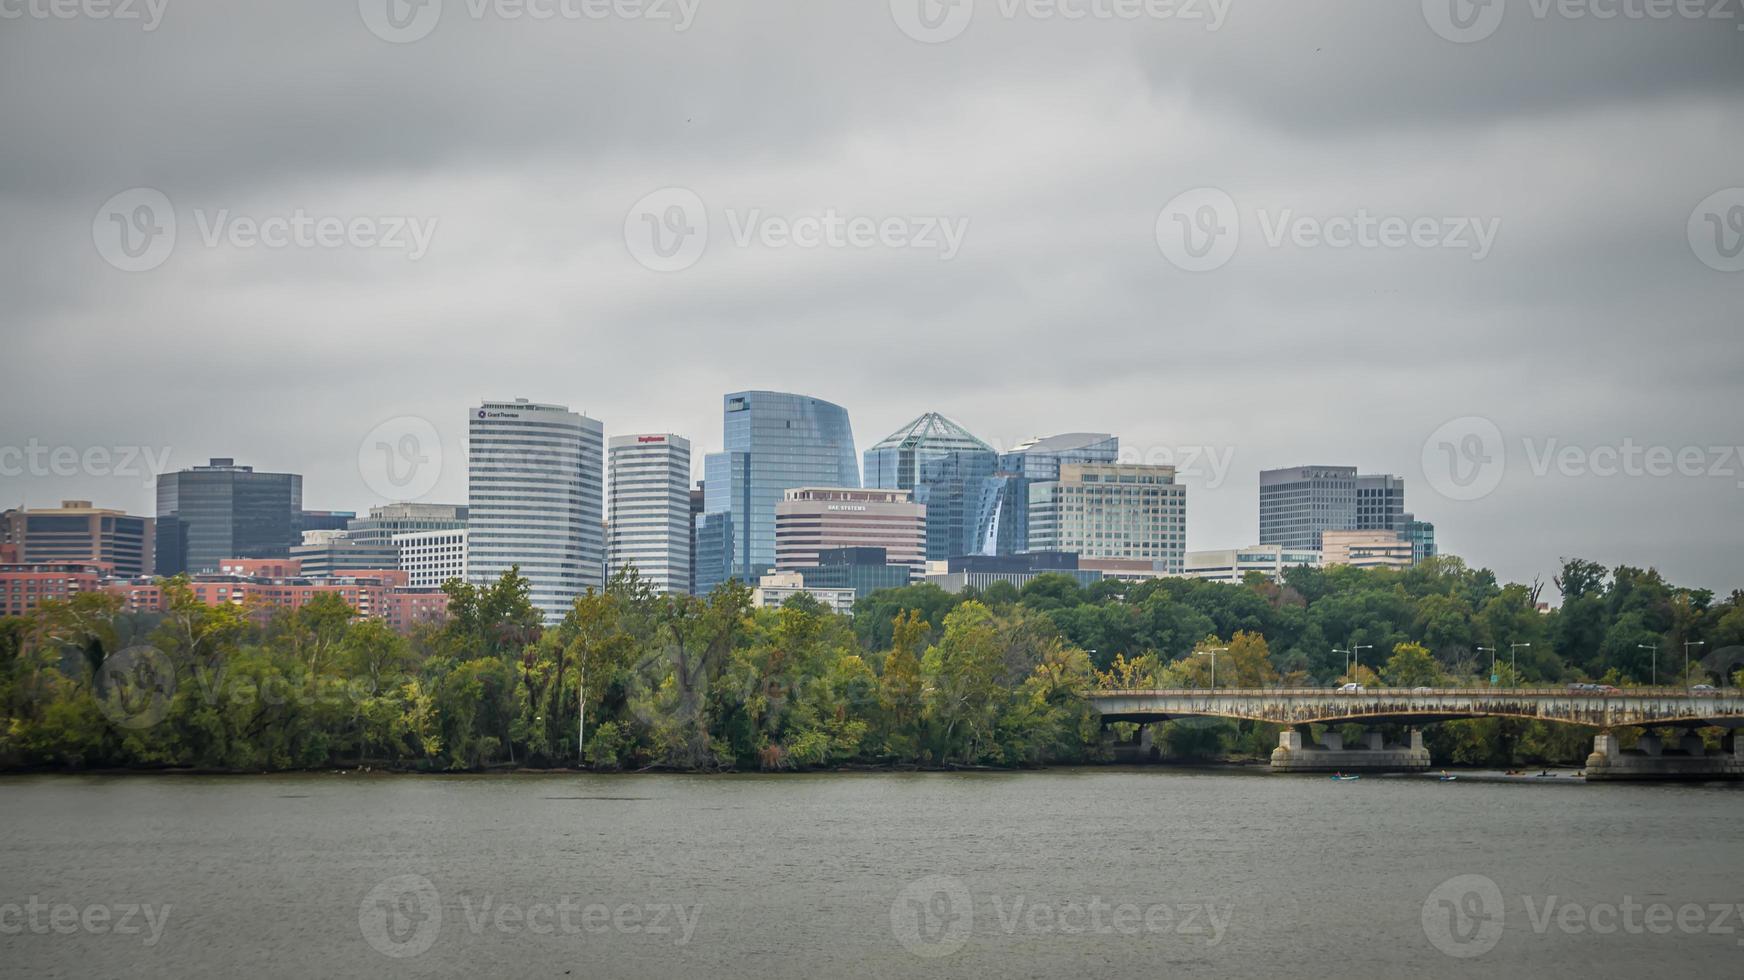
{"points": [[1341, 777], [1446, 778]]}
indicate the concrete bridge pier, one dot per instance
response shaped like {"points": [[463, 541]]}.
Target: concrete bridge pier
{"points": [[1651, 759], [1297, 753]]}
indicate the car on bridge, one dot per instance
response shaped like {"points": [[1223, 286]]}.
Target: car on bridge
{"points": [[1351, 687]]}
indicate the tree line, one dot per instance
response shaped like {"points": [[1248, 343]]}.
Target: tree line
{"points": [[630, 679]]}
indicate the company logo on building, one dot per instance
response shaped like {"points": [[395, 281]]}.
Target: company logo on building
{"points": [[650, 438]]}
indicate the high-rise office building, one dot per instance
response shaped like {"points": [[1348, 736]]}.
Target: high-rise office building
{"points": [[649, 510], [78, 533], [1002, 513], [1299, 503], [696, 500], [206, 514], [535, 497], [714, 551], [1040, 458], [947, 470], [1112, 510], [812, 520], [1380, 503], [774, 442]]}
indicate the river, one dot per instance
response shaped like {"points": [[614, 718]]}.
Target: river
{"points": [[1092, 872]]}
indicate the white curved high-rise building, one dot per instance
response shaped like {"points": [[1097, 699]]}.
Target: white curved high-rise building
{"points": [[535, 489]]}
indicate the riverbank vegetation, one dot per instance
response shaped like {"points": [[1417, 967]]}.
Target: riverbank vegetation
{"points": [[916, 677]]}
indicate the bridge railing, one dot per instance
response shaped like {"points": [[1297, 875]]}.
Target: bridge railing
{"points": [[1326, 692]]}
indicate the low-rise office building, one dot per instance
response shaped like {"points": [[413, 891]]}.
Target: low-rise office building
{"points": [[1233, 565]]}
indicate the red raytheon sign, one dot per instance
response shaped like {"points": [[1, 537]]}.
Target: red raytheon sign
{"points": [[650, 438]]}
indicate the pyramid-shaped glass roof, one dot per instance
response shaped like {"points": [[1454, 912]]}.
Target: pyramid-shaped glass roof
{"points": [[932, 431]]}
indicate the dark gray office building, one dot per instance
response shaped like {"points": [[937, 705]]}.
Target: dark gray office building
{"points": [[221, 510]]}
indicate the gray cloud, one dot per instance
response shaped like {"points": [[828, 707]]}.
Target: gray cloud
{"points": [[1591, 321]]}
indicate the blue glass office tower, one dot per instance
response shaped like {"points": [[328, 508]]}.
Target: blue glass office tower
{"points": [[1002, 512], [947, 468], [774, 442]]}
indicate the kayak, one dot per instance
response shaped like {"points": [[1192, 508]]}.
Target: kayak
{"points": [[1447, 779], [1346, 778]]}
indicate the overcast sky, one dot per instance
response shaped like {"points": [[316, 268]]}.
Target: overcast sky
{"points": [[1242, 235]]}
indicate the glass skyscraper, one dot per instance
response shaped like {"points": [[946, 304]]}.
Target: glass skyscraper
{"points": [[1002, 508], [209, 513], [948, 469], [774, 442]]}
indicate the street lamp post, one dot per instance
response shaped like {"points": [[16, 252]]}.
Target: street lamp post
{"points": [[1655, 649], [1514, 660], [1355, 656], [1492, 663], [1346, 654], [1213, 652], [1686, 645]]}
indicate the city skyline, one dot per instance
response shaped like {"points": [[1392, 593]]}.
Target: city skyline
{"points": [[1214, 470]]}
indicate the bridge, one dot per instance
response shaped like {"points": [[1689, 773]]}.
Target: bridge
{"points": [[1648, 708]]}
